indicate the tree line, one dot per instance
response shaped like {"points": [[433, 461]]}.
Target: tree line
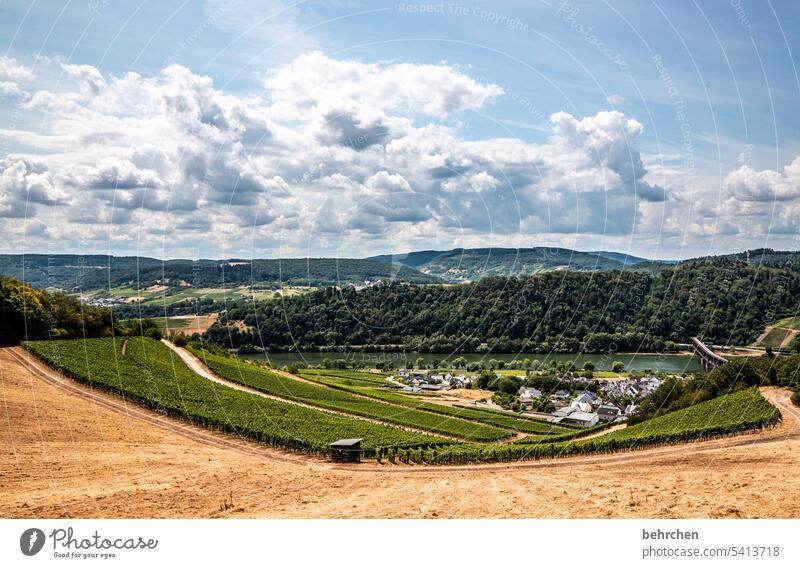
{"points": [[722, 300]]}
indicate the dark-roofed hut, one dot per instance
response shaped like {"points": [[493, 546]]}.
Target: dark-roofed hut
{"points": [[346, 450]]}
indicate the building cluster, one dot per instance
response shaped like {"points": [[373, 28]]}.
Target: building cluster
{"points": [[416, 381], [105, 302], [589, 408]]}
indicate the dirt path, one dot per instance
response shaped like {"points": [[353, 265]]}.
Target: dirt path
{"points": [[200, 368], [788, 339], [74, 452]]}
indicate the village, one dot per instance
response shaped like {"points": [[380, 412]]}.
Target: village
{"points": [[606, 400]]}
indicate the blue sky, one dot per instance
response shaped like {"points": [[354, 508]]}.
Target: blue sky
{"points": [[712, 88]]}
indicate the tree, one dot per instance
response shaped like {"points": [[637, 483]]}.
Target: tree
{"points": [[618, 366], [588, 366], [153, 333], [420, 363], [507, 385]]}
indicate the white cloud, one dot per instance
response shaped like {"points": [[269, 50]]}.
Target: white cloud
{"points": [[333, 153], [11, 69], [314, 80], [766, 185], [615, 100], [12, 89]]}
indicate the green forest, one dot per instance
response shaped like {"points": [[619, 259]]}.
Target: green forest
{"points": [[28, 313], [722, 300]]}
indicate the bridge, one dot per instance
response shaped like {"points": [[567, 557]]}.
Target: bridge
{"points": [[710, 359]]}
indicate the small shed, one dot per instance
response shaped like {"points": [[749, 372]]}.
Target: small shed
{"points": [[348, 450]]}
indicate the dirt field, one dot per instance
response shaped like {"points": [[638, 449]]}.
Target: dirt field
{"points": [[71, 452]]}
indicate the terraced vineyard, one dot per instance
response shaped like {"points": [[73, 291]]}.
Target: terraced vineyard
{"points": [[740, 411], [153, 376], [486, 416], [346, 378], [344, 400]]}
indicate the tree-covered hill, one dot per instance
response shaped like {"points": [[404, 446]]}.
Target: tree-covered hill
{"points": [[720, 300], [28, 313], [75, 273], [464, 265]]}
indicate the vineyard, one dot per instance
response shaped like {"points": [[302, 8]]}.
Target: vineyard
{"points": [[744, 410], [151, 375], [342, 400], [486, 416]]}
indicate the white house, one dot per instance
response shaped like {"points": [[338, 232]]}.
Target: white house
{"points": [[579, 418]]}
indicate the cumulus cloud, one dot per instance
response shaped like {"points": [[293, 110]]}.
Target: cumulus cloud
{"points": [[12, 89], [436, 90], [25, 183], [330, 149], [607, 139], [11, 69], [766, 185]]}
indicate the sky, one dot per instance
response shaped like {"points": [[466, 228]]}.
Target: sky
{"points": [[271, 129]]}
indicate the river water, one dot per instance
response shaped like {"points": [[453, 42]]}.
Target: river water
{"points": [[602, 362]]}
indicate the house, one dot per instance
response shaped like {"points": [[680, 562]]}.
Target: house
{"points": [[561, 394], [528, 394], [582, 406], [608, 412], [630, 409], [588, 396], [562, 412], [578, 418]]}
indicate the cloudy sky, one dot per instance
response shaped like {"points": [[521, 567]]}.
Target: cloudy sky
{"points": [[280, 129]]}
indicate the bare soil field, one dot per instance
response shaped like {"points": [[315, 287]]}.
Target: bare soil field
{"points": [[69, 451]]}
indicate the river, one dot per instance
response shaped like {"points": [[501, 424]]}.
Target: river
{"points": [[602, 362]]}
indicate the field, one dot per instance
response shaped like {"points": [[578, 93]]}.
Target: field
{"points": [[186, 325], [775, 337], [780, 334], [790, 323], [306, 413], [165, 296], [71, 456], [151, 375], [282, 386]]}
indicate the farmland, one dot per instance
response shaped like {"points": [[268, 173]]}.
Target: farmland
{"points": [[60, 444], [272, 383], [740, 411], [151, 375], [491, 417], [305, 413]]}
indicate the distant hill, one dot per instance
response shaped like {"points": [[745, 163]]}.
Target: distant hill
{"points": [[466, 265], [75, 273], [764, 257]]}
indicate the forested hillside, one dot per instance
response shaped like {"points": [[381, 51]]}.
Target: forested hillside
{"points": [[463, 265], [550, 311], [74, 273], [720, 300], [28, 313]]}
